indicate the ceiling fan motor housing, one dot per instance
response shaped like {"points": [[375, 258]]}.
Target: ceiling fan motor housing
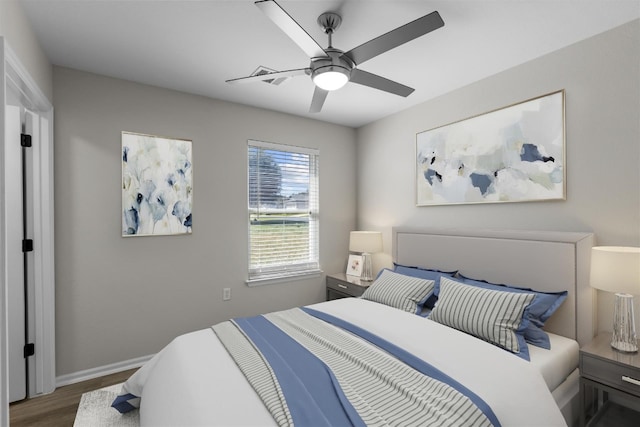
{"points": [[334, 61]]}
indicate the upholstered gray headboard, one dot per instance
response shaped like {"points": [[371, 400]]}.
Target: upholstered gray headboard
{"points": [[541, 260]]}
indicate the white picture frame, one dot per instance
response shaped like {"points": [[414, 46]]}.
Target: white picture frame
{"points": [[354, 265], [157, 185]]}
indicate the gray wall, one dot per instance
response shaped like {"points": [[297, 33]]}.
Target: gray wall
{"points": [[601, 77], [121, 298]]}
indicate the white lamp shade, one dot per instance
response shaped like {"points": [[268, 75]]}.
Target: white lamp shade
{"points": [[616, 269], [365, 241]]}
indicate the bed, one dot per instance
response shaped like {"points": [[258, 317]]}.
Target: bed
{"points": [[395, 361]]}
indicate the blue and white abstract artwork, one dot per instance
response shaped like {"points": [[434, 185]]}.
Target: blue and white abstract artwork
{"points": [[157, 185], [513, 154]]}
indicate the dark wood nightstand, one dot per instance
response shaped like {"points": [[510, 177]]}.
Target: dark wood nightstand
{"points": [[605, 372], [341, 286]]}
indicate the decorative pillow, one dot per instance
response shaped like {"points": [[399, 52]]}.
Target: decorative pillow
{"points": [[425, 273], [495, 316], [543, 306], [399, 291]]}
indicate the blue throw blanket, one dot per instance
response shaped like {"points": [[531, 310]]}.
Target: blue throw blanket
{"points": [[312, 369]]}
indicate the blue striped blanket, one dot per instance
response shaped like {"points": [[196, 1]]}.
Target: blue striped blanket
{"points": [[313, 369]]}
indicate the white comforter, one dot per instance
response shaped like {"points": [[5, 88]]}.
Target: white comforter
{"points": [[194, 382]]}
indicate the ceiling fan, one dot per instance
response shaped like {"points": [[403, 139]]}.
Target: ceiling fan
{"points": [[331, 68]]}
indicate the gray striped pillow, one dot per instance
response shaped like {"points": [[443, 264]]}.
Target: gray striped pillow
{"points": [[494, 316], [400, 291]]}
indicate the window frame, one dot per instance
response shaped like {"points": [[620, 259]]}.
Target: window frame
{"points": [[304, 269]]}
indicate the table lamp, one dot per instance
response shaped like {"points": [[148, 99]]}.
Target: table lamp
{"points": [[617, 269], [366, 242]]}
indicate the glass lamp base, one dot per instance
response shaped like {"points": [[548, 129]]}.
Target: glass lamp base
{"points": [[625, 347], [624, 327], [367, 269]]}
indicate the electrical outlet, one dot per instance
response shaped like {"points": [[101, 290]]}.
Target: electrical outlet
{"points": [[226, 294]]}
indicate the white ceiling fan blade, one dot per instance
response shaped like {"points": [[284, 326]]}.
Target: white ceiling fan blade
{"points": [[269, 76], [395, 38], [319, 95], [291, 28], [377, 82]]}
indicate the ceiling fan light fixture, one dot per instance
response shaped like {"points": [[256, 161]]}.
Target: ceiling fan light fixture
{"points": [[331, 77]]}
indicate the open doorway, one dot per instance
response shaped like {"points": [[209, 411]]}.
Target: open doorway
{"points": [[28, 320]]}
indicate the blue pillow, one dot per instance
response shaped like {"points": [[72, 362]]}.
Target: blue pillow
{"points": [[539, 311], [425, 273]]}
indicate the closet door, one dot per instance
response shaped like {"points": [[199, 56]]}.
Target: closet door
{"points": [[14, 274], [33, 230]]}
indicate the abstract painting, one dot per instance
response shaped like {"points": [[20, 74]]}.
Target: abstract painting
{"points": [[513, 154], [157, 185]]}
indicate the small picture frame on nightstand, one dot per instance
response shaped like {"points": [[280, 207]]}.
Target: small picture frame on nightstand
{"points": [[354, 265]]}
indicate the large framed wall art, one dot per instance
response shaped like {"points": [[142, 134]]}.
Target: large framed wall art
{"points": [[513, 154], [157, 185]]}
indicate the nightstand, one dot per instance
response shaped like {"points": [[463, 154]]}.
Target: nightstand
{"points": [[609, 385], [341, 286]]}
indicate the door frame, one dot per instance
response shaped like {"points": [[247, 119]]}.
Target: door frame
{"points": [[17, 82]]}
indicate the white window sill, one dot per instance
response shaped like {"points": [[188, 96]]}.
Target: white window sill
{"points": [[284, 277]]}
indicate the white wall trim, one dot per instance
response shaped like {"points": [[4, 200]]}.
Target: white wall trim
{"points": [[4, 321], [101, 371], [17, 74]]}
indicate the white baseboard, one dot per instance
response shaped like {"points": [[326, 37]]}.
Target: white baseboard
{"points": [[101, 371]]}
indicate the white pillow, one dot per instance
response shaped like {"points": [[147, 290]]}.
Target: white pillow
{"points": [[400, 291]]}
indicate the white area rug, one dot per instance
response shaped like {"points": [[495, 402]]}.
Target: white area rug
{"points": [[95, 410]]}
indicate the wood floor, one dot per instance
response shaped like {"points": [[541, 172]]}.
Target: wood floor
{"points": [[59, 408]]}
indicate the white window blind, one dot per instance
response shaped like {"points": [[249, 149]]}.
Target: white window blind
{"points": [[283, 210]]}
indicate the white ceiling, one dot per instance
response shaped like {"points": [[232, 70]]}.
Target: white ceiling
{"points": [[194, 46]]}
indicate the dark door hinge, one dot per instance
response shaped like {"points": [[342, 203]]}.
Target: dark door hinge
{"points": [[29, 349], [27, 245], [25, 140]]}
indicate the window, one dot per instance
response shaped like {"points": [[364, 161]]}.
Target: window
{"points": [[283, 211]]}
